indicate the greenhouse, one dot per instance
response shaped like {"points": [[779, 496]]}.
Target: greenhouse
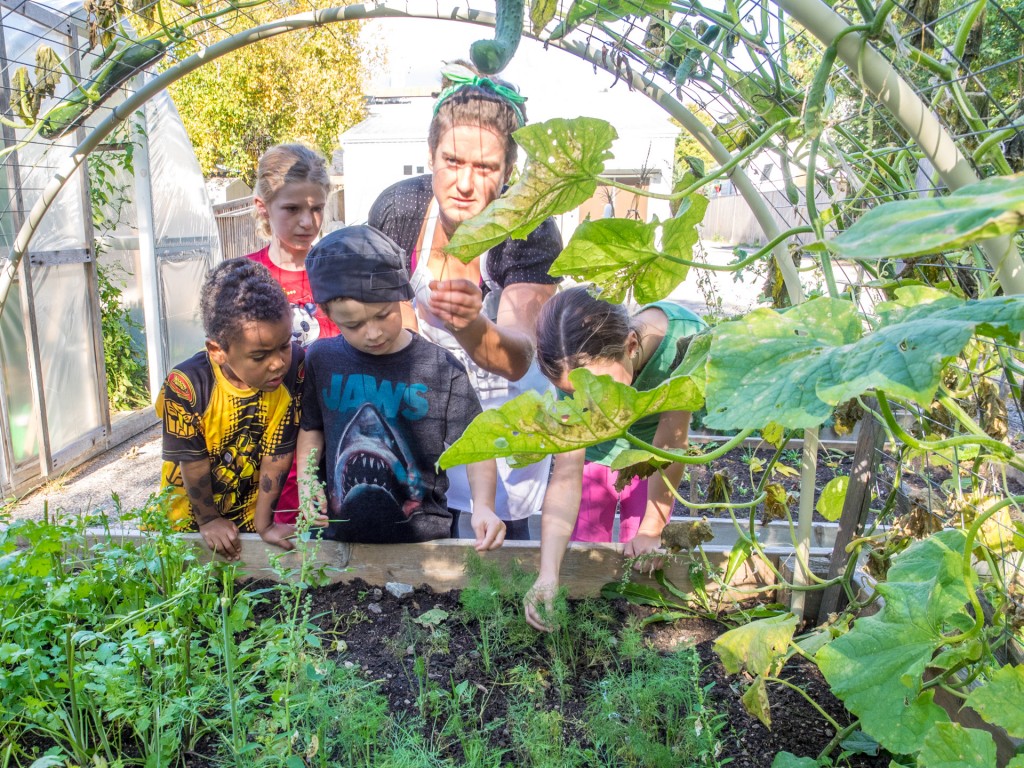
{"points": [[54, 395], [839, 582]]}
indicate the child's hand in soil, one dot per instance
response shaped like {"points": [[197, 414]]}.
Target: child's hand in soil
{"points": [[640, 545], [489, 529], [539, 604], [279, 535], [221, 535]]}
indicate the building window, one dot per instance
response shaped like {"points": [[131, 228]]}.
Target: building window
{"points": [[419, 169], [407, 170]]}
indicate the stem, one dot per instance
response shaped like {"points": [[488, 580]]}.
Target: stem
{"points": [[720, 505], [677, 458], [838, 739], [807, 696], [964, 30], [994, 140], [967, 571], [229, 672], [936, 445]]}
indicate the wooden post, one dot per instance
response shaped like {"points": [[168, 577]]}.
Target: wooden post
{"points": [[855, 508]]}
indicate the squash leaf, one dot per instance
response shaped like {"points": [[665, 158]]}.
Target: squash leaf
{"points": [[905, 228], [990, 700], [833, 496], [619, 254], [758, 647], [950, 745], [877, 667], [564, 160], [793, 367], [765, 367], [789, 760], [532, 426], [755, 701]]}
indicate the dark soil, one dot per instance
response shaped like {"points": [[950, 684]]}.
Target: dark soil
{"points": [[375, 626]]}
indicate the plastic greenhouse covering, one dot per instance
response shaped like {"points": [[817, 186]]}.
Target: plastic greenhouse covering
{"points": [[54, 404]]}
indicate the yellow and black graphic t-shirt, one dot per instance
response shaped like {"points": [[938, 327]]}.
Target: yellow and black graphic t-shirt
{"points": [[205, 416]]}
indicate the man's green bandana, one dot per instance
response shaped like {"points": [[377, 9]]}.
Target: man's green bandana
{"points": [[460, 77]]}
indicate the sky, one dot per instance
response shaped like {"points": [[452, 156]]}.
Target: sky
{"points": [[556, 84]]}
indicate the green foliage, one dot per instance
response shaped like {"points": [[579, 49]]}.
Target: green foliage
{"points": [[1005, 684], [620, 256], [564, 158], [793, 367], [908, 228], [688, 148], [127, 378], [532, 426], [124, 360], [758, 647], [492, 598], [304, 86], [833, 495], [539, 736], [656, 714]]}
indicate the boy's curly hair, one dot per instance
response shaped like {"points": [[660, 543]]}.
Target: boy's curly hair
{"points": [[236, 292]]}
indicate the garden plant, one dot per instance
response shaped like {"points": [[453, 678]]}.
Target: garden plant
{"points": [[894, 298]]}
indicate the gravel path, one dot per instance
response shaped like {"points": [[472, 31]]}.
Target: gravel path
{"points": [[131, 470]]}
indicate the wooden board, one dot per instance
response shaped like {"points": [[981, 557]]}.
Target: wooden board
{"points": [[441, 564]]}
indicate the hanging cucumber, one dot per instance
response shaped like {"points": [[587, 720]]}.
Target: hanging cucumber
{"points": [[817, 103], [693, 55], [492, 56], [84, 101]]}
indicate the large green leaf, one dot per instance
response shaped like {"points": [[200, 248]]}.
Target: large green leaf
{"points": [[950, 745], [532, 426], [619, 254], [757, 647], [906, 228], [792, 367], [990, 700], [877, 667], [765, 367], [564, 159]]}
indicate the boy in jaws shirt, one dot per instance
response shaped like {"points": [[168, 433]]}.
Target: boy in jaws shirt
{"points": [[382, 404]]}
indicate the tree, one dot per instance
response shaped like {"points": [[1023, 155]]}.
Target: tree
{"points": [[302, 86], [687, 146]]}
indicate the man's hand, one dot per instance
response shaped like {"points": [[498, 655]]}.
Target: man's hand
{"points": [[279, 535], [489, 529], [221, 535], [643, 544], [456, 303], [539, 604]]}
